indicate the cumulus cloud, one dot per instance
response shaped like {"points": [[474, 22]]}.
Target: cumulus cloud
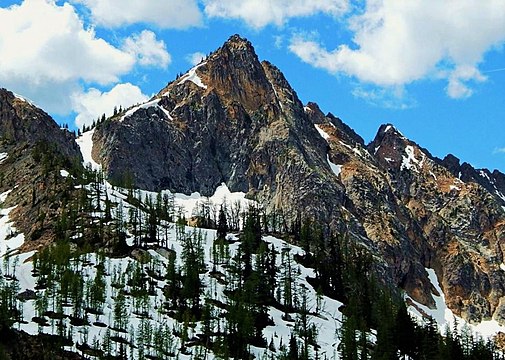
{"points": [[175, 14], [259, 13], [91, 104], [147, 49], [399, 42], [45, 52], [195, 58]]}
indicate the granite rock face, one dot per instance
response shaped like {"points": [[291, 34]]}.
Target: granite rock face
{"points": [[236, 120]]}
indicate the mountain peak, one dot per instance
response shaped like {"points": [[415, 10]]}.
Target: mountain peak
{"points": [[235, 51], [238, 42], [235, 73], [388, 129]]}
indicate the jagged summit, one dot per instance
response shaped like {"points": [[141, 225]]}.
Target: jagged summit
{"points": [[494, 182], [237, 42]]}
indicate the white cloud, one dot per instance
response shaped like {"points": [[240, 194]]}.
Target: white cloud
{"points": [[45, 52], [458, 79], [91, 104], [399, 42], [195, 58], [259, 13], [499, 150], [163, 13], [147, 49]]}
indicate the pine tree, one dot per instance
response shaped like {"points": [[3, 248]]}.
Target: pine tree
{"points": [[222, 224]]}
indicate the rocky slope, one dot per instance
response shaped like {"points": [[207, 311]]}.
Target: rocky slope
{"points": [[462, 223], [24, 124], [34, 151]]}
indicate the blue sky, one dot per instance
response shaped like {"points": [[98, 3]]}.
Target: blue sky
{"points": [[435, 69]]}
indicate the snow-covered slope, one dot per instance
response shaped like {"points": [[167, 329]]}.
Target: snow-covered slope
{"points": [[101, 328]]}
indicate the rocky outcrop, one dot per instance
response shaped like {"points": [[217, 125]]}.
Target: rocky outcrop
{"points": [[386, 221], [22, 123], [493, 182], [35, 150]]}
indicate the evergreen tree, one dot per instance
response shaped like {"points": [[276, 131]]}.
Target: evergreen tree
{"points": [[222, 224]]}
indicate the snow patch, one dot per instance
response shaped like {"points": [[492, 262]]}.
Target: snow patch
{"points": [[64, 173], [321, 132], [192, 76], [337, 169], [10, 239], [85, 143], [307, 109], [454, 187], [389, 127], [446, 318], [500, 195], [134, 109], [3, 156], [441, 314], [354, 150], [409, 162], [483, 174], [147, 105], [4, 195], [22, 98], [187, 203]]}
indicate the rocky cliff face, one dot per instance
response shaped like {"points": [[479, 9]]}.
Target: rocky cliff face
{"points": [[461, 222], [236, 120], [34, 150]]}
